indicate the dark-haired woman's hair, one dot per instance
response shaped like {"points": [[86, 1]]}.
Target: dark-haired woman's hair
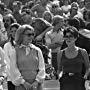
{"points": [[72, 30], [74, 22]]}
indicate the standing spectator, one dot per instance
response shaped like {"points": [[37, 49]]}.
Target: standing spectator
{"points": [[66, 7], [2, 67], [55, 8], [8, 20], [71, 61], [40, 8], [74, 11], [16, 11], [9, 49], [47, 15], [26, 17], [54, 38], [28, 68], [81, 5]]}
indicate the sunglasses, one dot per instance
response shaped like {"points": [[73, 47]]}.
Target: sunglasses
{"points": [[29, 34], [68, 36]]}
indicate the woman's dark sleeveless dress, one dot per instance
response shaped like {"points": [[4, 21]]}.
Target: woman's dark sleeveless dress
{"points": [[74, 65]]}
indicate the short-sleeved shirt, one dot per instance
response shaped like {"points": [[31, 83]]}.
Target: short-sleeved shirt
{"points": [[54, 37]]}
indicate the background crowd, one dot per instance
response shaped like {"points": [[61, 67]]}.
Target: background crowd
{"points": [[41, 24]]}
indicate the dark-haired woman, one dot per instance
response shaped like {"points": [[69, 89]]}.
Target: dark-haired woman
{"points": [[9, 49], [71, 61]]}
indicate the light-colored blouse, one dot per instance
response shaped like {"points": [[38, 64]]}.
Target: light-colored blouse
{"points": [[2, 63], [14, 72]]}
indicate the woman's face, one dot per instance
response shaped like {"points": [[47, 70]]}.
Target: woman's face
{"points": [[69, 38], [27, 18], [28, 36], [59, 24], [74, 11], [47, 17], [7, 21], [13, 31]]}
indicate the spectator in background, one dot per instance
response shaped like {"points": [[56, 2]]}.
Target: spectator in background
{"points": [[87, 18], [30, 4], [66, 7], [54, 38], [47, 15], [2, 8], [16, 11], [55, 8], [40, 8], [8, 20], [9, 49], [74, 11], [26, 17], [41, 26], [81, 5]]}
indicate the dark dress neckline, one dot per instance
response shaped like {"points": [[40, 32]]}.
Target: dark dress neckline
{"points": [[73, 57]]}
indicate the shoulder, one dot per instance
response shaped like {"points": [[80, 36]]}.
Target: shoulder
{"points": [[35, 47], [83, 51], [60, 52], [1, 51], [49, 33], [7, 45]]}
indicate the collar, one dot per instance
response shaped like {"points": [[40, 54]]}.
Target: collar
{"points": [[25, 46]]}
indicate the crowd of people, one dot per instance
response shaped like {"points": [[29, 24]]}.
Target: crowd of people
{"points": [[42, 40]]}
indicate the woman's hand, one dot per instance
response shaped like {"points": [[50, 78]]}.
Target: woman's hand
{"points": [[27, 85], [35, 85]]}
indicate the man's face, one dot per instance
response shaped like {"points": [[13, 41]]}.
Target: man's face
{"points": [[27, 18], [59, 24]]}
